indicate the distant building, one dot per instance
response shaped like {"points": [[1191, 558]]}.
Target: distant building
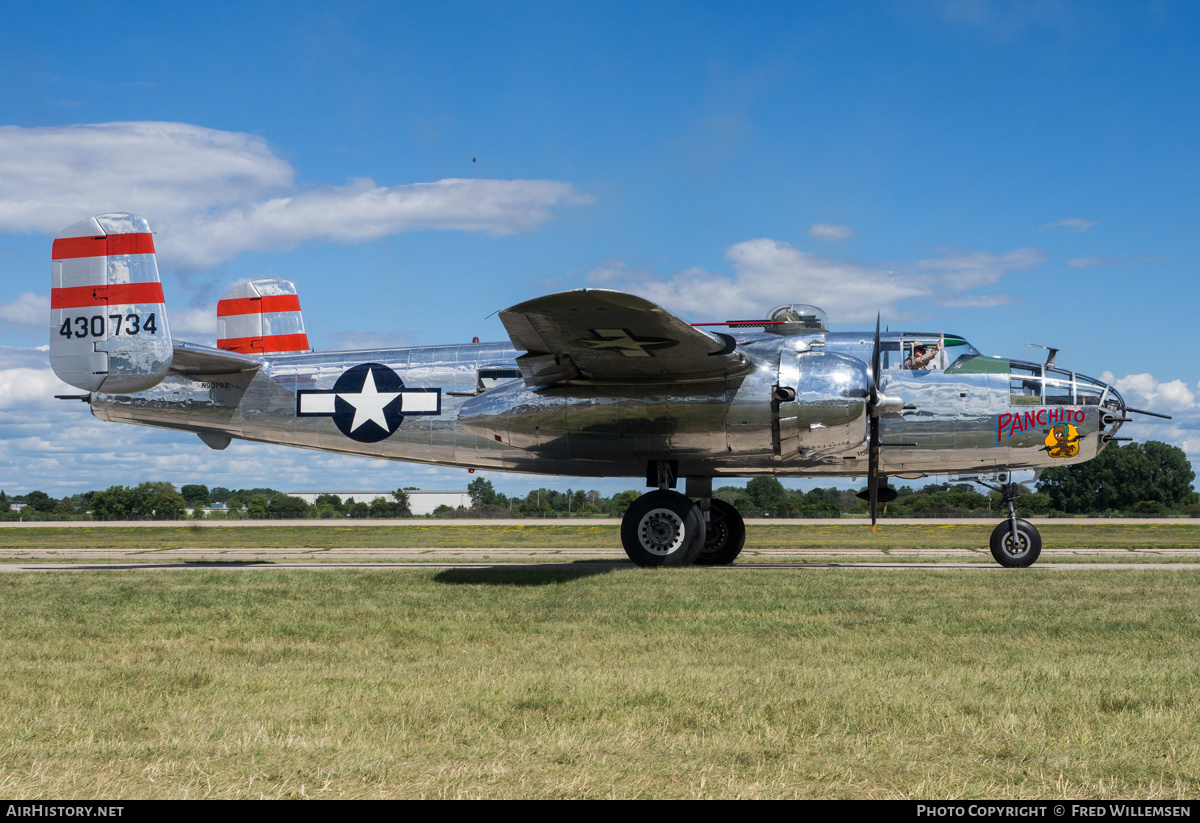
{"points": [[420, 502]]}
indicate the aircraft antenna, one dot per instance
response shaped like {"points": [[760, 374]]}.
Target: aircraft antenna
{"points": [[1050, 357]]}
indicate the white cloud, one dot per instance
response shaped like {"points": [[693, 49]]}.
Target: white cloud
{"points": [[362, 211], [830, 232], [53, 177], [1173, 397], [30, 388], [963, 270], [212, 194], [28, 314], [1146, 389], [617, 273], [1085, 262], [770, 272], [12, 357], [1075, 224], [196, 324]]}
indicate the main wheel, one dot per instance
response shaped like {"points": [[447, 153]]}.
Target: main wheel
{"points": [[1021, 552], [724, 535], [662, 528]]}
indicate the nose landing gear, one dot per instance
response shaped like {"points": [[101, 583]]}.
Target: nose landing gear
{"points": [[1015, 543]]}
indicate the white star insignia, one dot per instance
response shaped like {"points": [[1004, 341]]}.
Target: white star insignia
{"points": [[369, 403]]}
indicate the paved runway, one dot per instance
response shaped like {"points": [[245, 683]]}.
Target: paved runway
{"points": [[238, 559], [281, 557], [592, 521], [68, 557], [269, 566]]}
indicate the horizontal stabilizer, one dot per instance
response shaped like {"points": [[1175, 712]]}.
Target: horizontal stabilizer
{"points": [[190, 358], [609, 336]]}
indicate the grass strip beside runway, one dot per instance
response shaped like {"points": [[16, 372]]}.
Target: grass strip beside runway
{"points": [[837, 534], [599, 682]]}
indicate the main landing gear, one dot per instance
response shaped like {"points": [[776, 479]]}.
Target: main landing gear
{"points": [[666, 528], [1015, 543]]}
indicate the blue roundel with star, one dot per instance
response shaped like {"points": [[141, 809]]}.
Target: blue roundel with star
{"points": [[368, 403]]}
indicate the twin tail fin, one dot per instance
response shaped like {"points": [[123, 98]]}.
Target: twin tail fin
{"points": [[108, 318], [108, 321]]}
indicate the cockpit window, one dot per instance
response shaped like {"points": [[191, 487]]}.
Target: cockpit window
{"points": [[955, 351], [889, 353]]}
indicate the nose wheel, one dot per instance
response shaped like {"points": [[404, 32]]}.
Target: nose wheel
{"points": [[1015, 543], [663, 528]]}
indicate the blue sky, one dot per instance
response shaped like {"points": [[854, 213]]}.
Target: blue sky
{"points": [[1012, 172]]}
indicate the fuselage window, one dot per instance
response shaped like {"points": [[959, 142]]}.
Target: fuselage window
{"points": [[1088, 391], [1026, 382], [1059, 391]]}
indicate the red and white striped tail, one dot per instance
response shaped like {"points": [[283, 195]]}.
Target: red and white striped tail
{"points": [[261, 317], [108, 322]]}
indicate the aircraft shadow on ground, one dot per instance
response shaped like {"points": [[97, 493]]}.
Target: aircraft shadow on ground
{"points": [[533, 575]]}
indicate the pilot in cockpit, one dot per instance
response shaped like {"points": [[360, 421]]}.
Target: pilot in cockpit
{"points": [[921, 356]]}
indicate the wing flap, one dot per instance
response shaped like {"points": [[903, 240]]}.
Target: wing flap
{"points": [[609, 336]]}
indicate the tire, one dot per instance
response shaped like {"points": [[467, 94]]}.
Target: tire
{"points": [[662, 528], [725, 535], [1028, 545]]}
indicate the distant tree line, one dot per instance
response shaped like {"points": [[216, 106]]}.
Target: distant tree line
{"points": [[160, 501], [1139, 479]]}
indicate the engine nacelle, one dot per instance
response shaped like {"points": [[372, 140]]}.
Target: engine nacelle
{"points": [[826, 407]]}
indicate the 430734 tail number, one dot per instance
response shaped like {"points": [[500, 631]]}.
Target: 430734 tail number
{"points": [[97, 325]]}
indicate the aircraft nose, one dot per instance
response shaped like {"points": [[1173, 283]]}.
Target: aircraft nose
{"points": [[1112, 414]]}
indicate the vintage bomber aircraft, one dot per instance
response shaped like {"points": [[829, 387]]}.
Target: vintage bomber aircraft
{"points": [[594, 383]]}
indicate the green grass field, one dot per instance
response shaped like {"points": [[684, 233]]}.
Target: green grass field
{"points": [[617, 682], [604, 534]]}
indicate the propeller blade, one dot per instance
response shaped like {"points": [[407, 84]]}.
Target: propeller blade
{"points": [[874, 368], [873, 470]]}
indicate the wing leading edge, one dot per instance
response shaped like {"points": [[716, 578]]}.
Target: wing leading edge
{"points": [[612, 337]]}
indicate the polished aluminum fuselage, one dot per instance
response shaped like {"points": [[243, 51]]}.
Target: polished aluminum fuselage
{"points": [[735, 426]]}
